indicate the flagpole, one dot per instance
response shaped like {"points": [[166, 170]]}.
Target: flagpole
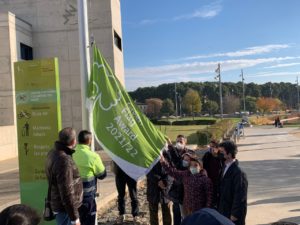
{"points": [[85, 66]]}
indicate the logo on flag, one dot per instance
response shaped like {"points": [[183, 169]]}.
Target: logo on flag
{"points": [[124, 132]]}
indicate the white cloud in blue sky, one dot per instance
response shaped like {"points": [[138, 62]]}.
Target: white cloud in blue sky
{"points": [[282, 65], [206, 12], [243, 52], [185, 40]]}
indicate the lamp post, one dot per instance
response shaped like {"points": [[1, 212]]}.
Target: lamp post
{"points": [[176, 110], [243, 79], [218, 77], [298, 106]]}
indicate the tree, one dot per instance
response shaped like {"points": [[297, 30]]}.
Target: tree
{"points": [[268, 104], [231, 104], [210, 107], [251, 104], [192, 101], [153, 106], [167, 107]]}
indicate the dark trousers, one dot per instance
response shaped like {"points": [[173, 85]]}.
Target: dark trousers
{"points": [[88, 211], [166, 214], [176, 214], [122, 180]]}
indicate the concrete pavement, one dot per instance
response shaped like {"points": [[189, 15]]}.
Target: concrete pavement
{"points": [[9, 184], [271, 158]]}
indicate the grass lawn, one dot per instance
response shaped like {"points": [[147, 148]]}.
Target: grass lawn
{"points": [[173, 131], [188, 130]]}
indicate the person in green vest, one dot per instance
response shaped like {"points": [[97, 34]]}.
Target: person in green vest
{"points": [[90, 168]]}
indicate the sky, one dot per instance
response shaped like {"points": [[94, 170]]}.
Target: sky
{"points": [[166, 41]]}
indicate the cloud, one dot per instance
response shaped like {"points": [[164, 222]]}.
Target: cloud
{"points": [[198, 67], [206, 12], [282, 65], [244, 52], [275, 74]]}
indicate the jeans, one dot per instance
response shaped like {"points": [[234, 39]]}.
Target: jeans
{"points": [[166, 214], [122, 180], [62, 218], [176, 214]]}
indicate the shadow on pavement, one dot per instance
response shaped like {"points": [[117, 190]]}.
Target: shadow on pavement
{"points": [[267, 134], [276, 200], [261, 149], [280, 178]]}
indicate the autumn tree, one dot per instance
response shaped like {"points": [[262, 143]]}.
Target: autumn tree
{"points": [[231, 104], [268, 104], [167, 107], [153, 106], [192, 101]]}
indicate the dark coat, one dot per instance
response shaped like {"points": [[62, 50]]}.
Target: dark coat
{"points": [[66, 189], [154, 193], [233, 194]]}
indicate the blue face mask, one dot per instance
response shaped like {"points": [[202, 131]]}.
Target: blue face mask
{"points": [[194, 170], [185, 163]]}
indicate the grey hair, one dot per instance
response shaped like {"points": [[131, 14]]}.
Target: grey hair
{"points": [[67, 135]]}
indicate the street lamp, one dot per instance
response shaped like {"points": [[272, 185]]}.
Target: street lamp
{"points": [[243, 79], [297, 81], [218, 77]]}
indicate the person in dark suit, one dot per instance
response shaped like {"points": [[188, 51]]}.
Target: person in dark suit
{"points": [[232, 201]]}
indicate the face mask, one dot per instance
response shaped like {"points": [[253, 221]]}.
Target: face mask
{"points": [[185, 163], [194, 170], [179, 146]]}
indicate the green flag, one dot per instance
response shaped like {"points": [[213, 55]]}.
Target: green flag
{"points": [[124, 132]]}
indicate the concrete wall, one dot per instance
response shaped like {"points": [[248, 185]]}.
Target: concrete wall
{"points": [[12, 32], [54, 27]]}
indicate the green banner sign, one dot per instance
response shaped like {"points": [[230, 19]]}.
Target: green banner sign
{"points": [[124, 132], [38, 122]]}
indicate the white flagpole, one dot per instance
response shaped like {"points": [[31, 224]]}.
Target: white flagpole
{"points": [[85, 65]]}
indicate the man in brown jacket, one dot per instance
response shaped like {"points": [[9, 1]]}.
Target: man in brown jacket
{"points": [[63, 175]]}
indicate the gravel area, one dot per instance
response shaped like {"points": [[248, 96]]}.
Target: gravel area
{"points": [[109, 217]]}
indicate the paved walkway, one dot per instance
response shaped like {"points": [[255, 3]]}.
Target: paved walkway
{"points": [[9, 184], [271, 158]]}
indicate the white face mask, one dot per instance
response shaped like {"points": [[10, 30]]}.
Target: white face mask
{"points": [[179, 146]]}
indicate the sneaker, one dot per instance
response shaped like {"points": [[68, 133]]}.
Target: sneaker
{"points": [[120, 219]]}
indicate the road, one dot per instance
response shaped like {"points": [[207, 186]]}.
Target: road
{"points": [[271, 158]]}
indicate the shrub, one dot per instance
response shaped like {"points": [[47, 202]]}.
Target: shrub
{"points": [[217, 131], [194, 122]]}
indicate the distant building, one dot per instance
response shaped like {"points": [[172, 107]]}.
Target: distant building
{"points": [[37, 29], [142, 106]]}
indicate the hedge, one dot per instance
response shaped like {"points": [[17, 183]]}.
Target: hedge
{"points": [[195, 122], [185, 122], [217, 131]]}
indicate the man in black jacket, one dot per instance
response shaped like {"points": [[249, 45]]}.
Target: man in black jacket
{"points": [[213, 164], [233, 186], [157, 186]]}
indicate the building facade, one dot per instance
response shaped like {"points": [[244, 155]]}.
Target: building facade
{"points": [[37, 29]]}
